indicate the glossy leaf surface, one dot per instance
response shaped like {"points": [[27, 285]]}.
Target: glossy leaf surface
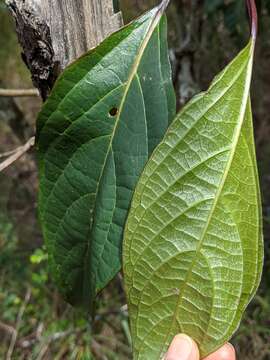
{"points": [[95, 133], [193, 238]]}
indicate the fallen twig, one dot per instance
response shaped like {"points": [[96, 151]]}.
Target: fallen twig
{"points": [[16, 154], [8, 153], [43, 352], [18, 92], [47, 340], [18, 323]]}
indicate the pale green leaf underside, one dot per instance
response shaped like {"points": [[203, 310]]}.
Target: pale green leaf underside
{"points": [[193, 238], [106, 114]]}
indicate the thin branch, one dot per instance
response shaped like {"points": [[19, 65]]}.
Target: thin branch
{"points": [[17, 153], [18, 323], [8, 153], [18, 92]]}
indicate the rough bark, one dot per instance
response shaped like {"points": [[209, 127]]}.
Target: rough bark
{"points": [[53, 33]]}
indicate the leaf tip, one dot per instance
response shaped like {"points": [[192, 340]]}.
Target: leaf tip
{"points": [[253, 16]]}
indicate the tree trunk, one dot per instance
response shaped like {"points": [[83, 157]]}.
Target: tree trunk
{"points": [[53, 33]]}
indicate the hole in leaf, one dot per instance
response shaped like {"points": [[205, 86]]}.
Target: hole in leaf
{"points": [[113, 111]]}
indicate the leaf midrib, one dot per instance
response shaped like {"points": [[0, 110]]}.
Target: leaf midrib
{"points": [[221, 186], [134, 69], [190, 207]]}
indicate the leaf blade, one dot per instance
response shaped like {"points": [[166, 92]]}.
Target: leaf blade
{"points": [[178, 270], [92, 148]]}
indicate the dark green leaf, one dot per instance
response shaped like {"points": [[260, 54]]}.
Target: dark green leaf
{"points": [[103, 119], [193, 238]]}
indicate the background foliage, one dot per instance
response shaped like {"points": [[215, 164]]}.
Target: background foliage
{"points": [[204, 36]]}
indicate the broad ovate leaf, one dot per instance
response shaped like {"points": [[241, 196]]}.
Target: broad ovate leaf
{"points": [[106, 114], [193, 238]]}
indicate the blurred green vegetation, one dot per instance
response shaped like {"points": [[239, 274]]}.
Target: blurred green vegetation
{"points": [[49, 328], [10, 58], [30, 306]]}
